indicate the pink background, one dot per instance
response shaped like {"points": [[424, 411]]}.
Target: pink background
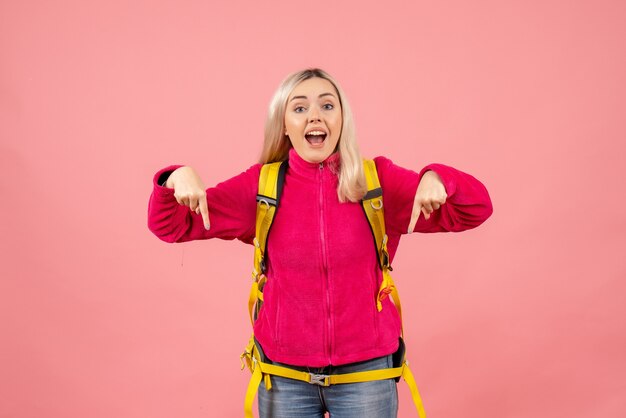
{"points": [[519, 318]]}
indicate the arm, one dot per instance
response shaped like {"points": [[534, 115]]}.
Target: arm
{"points": [[231, 209], [466, 203]]}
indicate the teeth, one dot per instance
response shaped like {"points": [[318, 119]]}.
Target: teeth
{"points": [[316, 133]]}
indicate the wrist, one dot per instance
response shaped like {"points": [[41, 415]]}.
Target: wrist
{"points": [[170, 181]]}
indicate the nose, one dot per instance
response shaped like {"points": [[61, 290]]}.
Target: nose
{"points": [[314, 115]]}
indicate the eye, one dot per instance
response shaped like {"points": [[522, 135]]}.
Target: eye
{"points": [[328, 106], [299, 109]]}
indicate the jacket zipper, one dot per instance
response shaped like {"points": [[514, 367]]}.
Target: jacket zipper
{"points": [[325, 267]]}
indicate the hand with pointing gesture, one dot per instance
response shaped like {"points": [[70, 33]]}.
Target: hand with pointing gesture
{"points": [[430, 195], [190, 191]]}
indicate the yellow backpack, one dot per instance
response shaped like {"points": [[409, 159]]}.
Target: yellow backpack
{"points": [[270, 187]]}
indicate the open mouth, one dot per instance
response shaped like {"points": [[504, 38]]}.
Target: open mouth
{"points": [[315, 137]]}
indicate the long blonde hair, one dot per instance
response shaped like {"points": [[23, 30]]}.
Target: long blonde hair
{"points": [[276, 147]]}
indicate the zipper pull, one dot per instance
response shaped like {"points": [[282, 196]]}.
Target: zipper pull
{"points": [[322, 165]]}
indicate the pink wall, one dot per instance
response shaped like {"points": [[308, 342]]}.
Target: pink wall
{"points": [[519, 318]]}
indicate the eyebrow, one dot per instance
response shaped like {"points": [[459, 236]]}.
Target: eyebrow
{"points": [[304, 97]]}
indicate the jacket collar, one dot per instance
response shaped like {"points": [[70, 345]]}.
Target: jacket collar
{"points": [[329, 167]]}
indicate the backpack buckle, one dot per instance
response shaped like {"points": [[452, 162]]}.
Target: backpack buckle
{"points": [[319, 379]]}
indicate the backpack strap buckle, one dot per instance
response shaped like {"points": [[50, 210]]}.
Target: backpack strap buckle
{"points": [[319, 379]]}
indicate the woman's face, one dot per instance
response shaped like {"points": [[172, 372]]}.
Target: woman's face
{"points": [[313, 119]]}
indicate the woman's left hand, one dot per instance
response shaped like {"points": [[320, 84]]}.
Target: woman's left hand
{"points": [[430, 195]]}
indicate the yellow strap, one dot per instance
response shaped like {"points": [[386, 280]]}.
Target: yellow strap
{"points": [[376, 215], [375, 211], [407, 375], [268, 182], [253, 387], [254, 296], [388, 287], [333, 379], [252, 300]]}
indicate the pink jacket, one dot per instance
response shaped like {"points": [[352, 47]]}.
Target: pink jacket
{"points": [[322, 269]]}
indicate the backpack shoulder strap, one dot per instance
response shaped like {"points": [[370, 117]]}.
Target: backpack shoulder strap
{"points": [[271, 182], [373, 206]]}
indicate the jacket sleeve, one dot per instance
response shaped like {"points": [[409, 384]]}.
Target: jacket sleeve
{"points": [[467, 205], [232, 210]]}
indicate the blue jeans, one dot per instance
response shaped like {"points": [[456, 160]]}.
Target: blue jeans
{"points": [[290, 398]]}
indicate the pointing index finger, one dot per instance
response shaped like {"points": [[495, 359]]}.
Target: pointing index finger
{"points": [[204, 211], [417, 210]]}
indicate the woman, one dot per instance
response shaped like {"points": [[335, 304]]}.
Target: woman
{"points": [[319, 312]]}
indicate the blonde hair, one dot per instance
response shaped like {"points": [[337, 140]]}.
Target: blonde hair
{"points": [[352, 186]]}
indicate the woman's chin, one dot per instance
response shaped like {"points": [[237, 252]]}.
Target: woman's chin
{"points": [[315, 152]]}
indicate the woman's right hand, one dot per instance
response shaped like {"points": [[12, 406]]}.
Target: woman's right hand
{"points": [[189, 191]]}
